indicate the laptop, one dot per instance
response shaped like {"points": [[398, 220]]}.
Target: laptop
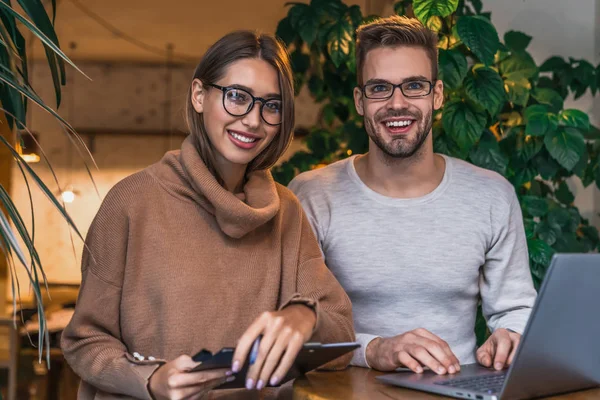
{"points": [[559, 350]]}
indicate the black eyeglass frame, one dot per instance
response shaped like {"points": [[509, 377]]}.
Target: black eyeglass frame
{"points": [[399, 86], [262, 100]]}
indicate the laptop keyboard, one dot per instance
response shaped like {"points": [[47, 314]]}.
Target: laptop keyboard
{"points": [[483, 384]]}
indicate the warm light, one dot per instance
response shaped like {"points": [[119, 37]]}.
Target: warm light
{"points": [[27, 147], [68, 196], [349, 152], [30, 158]]}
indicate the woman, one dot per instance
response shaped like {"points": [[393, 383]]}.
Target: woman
{"points": [[204, 249]]}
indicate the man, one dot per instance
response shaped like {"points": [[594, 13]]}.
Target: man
{"points": [[417, 239]]}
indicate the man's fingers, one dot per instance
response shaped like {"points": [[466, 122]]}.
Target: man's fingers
{"points": [[485, 355], [423, 356], [406, 360], [443, 344], [503, 347], [515, 344], [437, 351]]}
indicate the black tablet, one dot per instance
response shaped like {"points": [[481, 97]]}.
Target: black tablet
{"points": [[312, 356]]}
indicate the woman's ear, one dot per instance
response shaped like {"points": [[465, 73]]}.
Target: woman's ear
{"points": [[198, 93]]}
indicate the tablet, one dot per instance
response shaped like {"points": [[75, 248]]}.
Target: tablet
{"points": [[310, 357]]}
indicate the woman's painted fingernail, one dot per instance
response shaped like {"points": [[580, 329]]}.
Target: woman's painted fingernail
{"points": [[228, 373], [249, 384], [230, 379], [274, 381], [260, 384], [236, 366]]}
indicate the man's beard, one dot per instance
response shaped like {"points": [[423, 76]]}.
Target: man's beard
{"points": [[401, 146]]}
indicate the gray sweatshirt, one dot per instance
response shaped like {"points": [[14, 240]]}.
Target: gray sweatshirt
{"points": [[423, 262]]}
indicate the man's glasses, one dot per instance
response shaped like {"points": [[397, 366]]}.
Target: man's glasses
{"points": [[239, 102], [385, 90]]}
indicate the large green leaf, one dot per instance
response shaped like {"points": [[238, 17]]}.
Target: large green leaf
{"points": [[535, 206], [528, 146], [548, 97], [539, 251], [340, 42], [485, 87], [453, 68], [480, 36], [553, 63], [285, 31], [575, 118], [564, 194], [518, 65], [463, 124], [516, 40], [425, 9], [566, 145], [539, 121], [487, 154], [304, 20], [334, 9], [517, 90], [548, 232]]}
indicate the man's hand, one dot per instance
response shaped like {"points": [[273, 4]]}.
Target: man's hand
{"points": [[499, 348], [414, 350]]}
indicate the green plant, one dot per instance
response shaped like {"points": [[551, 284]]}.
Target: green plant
{"points": [[502, 111], [15, 93]]}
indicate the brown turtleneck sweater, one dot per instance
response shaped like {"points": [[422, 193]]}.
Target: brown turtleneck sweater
{"points": [[175, 263]]}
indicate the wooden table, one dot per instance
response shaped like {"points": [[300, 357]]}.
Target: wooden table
{"points": [[360, 383]]}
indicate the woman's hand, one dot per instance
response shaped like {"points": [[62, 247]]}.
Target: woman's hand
{"points": [[172, 381], [283, 334]]}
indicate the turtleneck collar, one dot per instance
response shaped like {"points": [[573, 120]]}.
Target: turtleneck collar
{"points": [[184, 173]]}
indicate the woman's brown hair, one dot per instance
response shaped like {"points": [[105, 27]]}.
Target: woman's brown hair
{"points": [[227, 50]]}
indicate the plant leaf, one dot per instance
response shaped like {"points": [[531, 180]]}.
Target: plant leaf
{"points": [[463, 124], [539, 121], [548, 97], [552, 64], [43, 187], [539, 251], [566, 145], [285, 31], [480, 36], [517, 90], [29, 25], [340, 42], [519, 64], [564, 194], [425, 9], [487, 154], [575, 118], [453, 68], [516, 40], [304, 19], [535, 206], [484, 86]]}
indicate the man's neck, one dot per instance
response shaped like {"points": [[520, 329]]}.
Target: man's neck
{"points": [[410, 177]]}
